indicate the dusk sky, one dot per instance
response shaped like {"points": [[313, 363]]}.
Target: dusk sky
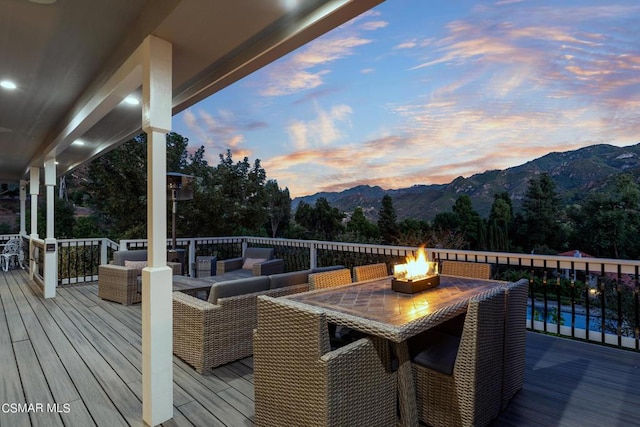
{"points": [[421, 92]]}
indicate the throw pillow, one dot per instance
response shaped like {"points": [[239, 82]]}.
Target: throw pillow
{"points": [[248, 263], [138, 265]]}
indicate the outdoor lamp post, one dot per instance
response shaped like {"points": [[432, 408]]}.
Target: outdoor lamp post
{"points": [[178, 188]]}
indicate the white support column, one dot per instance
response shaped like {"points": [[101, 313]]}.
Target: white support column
{"points": [[157, 310], [50, 244], [34, 190], [23, 207]]}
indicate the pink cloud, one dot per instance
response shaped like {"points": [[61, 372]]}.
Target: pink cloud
{"points": [[304, 69], [322, 130], [406, 45], [295, 74], [373, 25]]}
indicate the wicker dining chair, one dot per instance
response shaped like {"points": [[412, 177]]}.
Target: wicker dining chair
{"points": [[466, 269], [467, 390], [329, 279], [515, 336], [368, 272], [299, 381]]}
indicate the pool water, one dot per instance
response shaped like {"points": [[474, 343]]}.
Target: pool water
{"points": [[580, 319]]}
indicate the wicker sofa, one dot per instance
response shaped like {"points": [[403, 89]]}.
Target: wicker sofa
{"points": [[120, 280], [255, 261], [218, 330]]}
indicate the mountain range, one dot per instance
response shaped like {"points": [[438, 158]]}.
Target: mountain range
{"points": [[576, 173]]}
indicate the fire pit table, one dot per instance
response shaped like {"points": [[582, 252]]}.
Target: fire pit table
{"points": [[374, 308]]}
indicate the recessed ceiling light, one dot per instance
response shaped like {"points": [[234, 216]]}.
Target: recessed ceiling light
{"points": [[290, 4], [8, 84], [78, 142], [43, 1], [132, 100]]}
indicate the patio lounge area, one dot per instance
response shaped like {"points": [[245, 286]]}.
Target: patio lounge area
{"points": [[79, 350]]}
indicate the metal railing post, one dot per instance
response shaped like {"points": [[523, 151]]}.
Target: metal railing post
{"points": [[244, 245], [192, 258], [313, 255]]}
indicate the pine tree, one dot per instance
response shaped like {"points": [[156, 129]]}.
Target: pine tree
{"points": [[542, 213], [500, 220], [361, 227], [470, 224], [387, 221], [278, 203]]}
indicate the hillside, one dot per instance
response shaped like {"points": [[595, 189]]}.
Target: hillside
{"points": [[576, 174]]}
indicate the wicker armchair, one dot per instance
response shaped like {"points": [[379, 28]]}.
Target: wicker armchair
{"points": [[368, 272], [466, 269], [329, 279], [467, 390], [267, 266], [120, 283], [515, 335], [211, 333], [299, 382]]}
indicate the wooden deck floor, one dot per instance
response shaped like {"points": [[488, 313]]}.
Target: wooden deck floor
{"points": [[79, 350]]}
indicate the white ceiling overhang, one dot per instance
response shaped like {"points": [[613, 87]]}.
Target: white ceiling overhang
{"points": [[74, 61]]}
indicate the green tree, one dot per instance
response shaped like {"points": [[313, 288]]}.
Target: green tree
{"points": [[117, 185], [447, 239], [543, 215], [304, 214], [445, 221], [117, 188], [197, 165], [5, 228], [89, 226], [500, 221], [203, 215], [322, 221], [387, 221], [176, 152], [64, 219], [278, 204], [241, 185], [328, 219], [361, 228], [607, 224], [414, 232], [469, 223]]}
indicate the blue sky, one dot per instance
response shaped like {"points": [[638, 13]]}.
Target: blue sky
{"points": [[421, 92]]}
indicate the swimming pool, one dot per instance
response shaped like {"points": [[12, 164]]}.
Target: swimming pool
{"points": [[595, 323]]}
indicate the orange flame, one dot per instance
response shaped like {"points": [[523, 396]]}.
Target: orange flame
{"points": [[416, 267]]}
